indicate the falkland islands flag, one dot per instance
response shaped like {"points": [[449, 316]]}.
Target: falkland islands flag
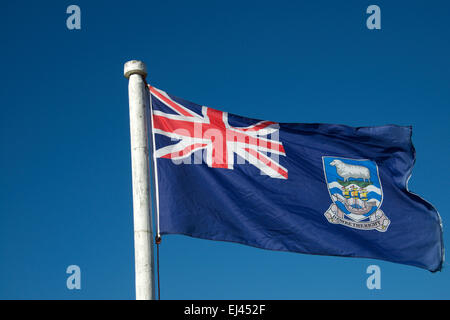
{"points": [[310, 188]]}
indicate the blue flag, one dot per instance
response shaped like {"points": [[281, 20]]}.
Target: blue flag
{"points": [[320, 189]]}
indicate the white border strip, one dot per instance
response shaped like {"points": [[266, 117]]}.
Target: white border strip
{"points": [[155, 173]]}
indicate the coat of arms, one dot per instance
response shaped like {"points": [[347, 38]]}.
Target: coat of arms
{"points": [[355, 189]]}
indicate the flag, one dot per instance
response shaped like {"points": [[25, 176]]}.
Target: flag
{"points": [[320, 189]]}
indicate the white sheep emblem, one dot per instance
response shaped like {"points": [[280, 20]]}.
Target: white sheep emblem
{"points": [[347, 171]]}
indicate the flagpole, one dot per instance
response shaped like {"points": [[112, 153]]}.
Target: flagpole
{"points": [[136, 71]]}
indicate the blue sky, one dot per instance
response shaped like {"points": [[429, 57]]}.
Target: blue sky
{"points": [[64, 132]]}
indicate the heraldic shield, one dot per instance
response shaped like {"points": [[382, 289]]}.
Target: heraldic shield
{"points": [[355, 189]]}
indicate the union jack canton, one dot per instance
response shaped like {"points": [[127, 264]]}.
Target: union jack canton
{"points": [[210, 131]]}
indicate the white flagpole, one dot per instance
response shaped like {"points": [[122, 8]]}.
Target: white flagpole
{"points": [[136, 71]]}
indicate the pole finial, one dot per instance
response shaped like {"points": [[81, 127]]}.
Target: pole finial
{"points": [[134, 67]]}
